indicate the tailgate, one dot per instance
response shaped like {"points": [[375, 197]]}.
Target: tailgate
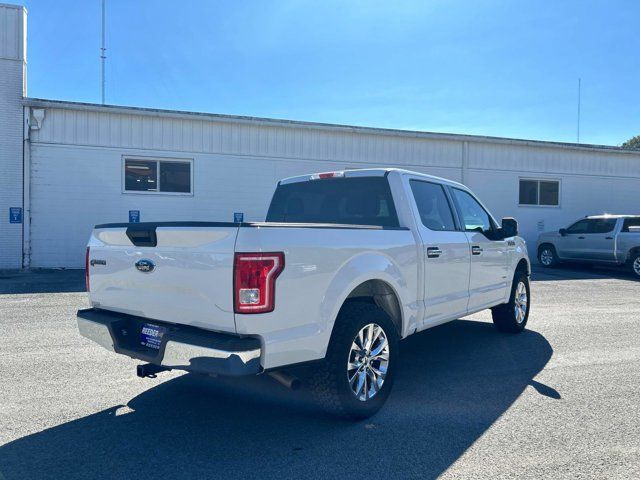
{"points": [[175, 272]]}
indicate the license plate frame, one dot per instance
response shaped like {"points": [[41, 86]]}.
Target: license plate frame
{"points": [[151, 335]]}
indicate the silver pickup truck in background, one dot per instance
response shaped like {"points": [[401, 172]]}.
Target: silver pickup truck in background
{"points": [[602, 239]]}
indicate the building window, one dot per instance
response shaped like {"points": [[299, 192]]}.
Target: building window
{"points": [[157, 176], [539, 192]]}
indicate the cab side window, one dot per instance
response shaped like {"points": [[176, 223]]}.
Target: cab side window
{"points": [[581, 226], [593, 225], [603, 225], [474, 217], [630, 222], [433, 206]]}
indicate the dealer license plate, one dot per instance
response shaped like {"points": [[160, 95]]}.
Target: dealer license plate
{"points": [[151, 335]]}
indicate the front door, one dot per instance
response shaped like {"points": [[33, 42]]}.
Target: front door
{"points": [[446, 254], [488, 280], [572, 244]]}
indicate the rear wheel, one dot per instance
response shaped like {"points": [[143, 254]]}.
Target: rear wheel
{"points": [[512, 317], [358, 372], [547, 256]]}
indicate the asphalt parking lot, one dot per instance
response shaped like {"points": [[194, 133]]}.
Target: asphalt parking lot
{"points": [[561, 400]]}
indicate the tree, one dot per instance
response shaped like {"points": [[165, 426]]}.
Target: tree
{"points": [[632, 142]]}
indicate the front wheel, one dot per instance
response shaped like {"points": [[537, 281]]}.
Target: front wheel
{"points": [[512, 317], [547, 256], [359, 368], [634, 263]]}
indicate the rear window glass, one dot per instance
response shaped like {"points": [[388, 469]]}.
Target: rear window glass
{"points": [[356, 201]]}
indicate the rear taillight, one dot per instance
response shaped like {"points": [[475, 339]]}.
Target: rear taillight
{"points": [[86, 270], [254, 286]]}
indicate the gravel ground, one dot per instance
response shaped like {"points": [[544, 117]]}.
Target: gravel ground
{"points": [[561, 400]]}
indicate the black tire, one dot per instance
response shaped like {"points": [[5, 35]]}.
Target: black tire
{"points": [[547, 255], [330, 383], [505, 317], [634, 264]]}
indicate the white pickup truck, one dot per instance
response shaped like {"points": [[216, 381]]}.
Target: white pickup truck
{"points": [[346, 264]]}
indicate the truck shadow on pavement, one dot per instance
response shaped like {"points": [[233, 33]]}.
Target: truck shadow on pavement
{"points": [[454, 382]]}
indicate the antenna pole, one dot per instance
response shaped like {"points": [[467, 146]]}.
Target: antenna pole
{"points": [[579, 81], [102, 54]]}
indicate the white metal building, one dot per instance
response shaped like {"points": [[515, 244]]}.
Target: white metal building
{"points": [[69, 166]]}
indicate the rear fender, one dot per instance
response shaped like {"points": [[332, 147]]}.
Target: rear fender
{"points": [[356, 271]]}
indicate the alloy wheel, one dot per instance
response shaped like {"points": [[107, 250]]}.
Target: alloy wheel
{"points": [[636, 266], [546, 257], [520, 302], [368, 362]]}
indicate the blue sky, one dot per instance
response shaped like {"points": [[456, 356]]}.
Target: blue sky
{"points": [[501, 68]]}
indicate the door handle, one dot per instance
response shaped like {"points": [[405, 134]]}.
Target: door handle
{"points": [[433, 252], [580, 238], [608, 238], [476, 250]]}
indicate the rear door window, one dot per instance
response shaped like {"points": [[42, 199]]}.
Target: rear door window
{"points": [[433, 205], [355, 201]]}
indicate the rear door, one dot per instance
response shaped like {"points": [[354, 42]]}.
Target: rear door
{"points": [[446, 253], [177, 273], [488, 280]]}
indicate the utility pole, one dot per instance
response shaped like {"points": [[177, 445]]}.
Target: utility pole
{"points": [[103, 57], [579, 81]]}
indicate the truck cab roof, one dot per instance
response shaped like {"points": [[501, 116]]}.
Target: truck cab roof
{"points": [[366, 172], [607, 215]]}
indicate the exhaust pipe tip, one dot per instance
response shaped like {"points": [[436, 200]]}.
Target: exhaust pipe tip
{"points": [[286, 380]]}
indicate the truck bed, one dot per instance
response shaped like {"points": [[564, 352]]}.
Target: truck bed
{"points": [[191, 282]]}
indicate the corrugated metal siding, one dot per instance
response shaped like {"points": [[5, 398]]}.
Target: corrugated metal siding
{"points": [[491, 156], [10, 161], [11, 91], [77, 171], [12, 32], [161, 133], [104, 129]]}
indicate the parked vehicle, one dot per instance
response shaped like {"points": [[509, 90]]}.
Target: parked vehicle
{"points": [[346, 264], [598, 239]]}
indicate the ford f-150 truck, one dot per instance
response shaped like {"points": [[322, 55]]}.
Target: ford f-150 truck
{"points": [[602, 239], [346, 264]]}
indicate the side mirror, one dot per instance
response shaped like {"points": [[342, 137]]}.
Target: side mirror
{"points": [[509, 227], [562, 231]]}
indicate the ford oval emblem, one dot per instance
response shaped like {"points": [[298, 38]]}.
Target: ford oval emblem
{"points": [[145, 266]]}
